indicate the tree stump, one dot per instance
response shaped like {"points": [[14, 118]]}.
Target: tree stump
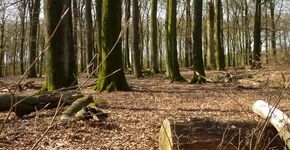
{"points": [[206, 134]]}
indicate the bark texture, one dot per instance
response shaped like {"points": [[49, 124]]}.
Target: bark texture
{"points": [[154, 46], [111, 49], [198, 67], [171, 44], [257, 37], [34, 21], [219, 51], [60, 62]]}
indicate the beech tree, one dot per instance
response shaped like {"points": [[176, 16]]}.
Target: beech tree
{"points": [[76, 38], [257, 36], [34, 9], [136, 40], [111, 74], [198, 67], [99, 30], [210, 60], [127, 20], [3, 19], [154, 46], [60, 62], [22, 12], [219, 51], [188, 37], [273, 28], [171, 44], [89, 36]]}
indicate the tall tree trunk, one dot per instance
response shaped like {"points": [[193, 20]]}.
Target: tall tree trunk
{"points": [[247, 33], [75, 11], [188, 39], [228, 34], [219, 51], [198, 67], [81, 38], [2, 42], [210, 64], [273, 29], [234, 46], [257, 36], [136, 40], [154, 37], [266, 35], [41, 59], [111, 28], [34, 21], [60, 62], [172, 62], [147, 39], [160, 40], [99, 29], [22, 36], [141, 41], [127, 34], [89, 36], [285, 43], [15, 48], [180, 49]]}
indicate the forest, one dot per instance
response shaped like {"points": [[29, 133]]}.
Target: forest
{"points": [[145, 74]]}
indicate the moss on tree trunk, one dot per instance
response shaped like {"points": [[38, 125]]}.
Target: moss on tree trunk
{"points": [[60, 62], [111, 51], [172, 63]]}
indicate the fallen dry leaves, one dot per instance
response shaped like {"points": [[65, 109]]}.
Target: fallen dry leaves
{"points": [[135, 117]]}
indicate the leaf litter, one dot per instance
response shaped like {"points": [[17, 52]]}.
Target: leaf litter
{"points": [[135, 117]]}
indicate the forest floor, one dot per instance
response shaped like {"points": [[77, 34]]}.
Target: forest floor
{"points": [[135, 117]]}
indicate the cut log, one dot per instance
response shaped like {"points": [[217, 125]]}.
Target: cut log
{"points": [[276, 117], [76, 106], [27, 104], [206, 134]]}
